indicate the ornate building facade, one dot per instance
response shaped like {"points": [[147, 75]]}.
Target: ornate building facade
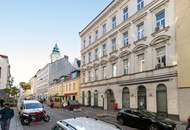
{"points": [[129, 59]]}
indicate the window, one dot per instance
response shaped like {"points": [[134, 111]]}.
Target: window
{"points": [[125, 14], [104, 51], [96, 74], [160, 20], [104, 72], [114, 44], [96, 35], [104, 28], [96, 54], [83, 78], [161, 57], [83, 60], [125, 38], [114, 22], [114, 70], [90, 39], [89, 56], [84, 43], [140, 4], [89, 76], [141, 63], [126, 66], [140, 28]]}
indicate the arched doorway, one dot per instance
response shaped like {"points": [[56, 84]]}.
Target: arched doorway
{"points": [[142, 97], [125, 98], [161, 98], [83, 98], [96, 98], [89, 98], [110, 99]]}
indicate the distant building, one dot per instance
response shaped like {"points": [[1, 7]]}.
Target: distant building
{"points": [[4, 73]]}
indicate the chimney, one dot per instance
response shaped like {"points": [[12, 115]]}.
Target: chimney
{"points": [[66, 57]]}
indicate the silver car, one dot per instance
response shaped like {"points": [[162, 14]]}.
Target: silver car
{"points": [[84, 123]]}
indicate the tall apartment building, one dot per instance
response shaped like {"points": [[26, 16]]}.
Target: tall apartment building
{"points": [[4, 71], [130, 59]]}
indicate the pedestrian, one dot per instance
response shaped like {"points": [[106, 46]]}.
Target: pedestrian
{"points": [[6, 115], [1, 102], [188, 124]]}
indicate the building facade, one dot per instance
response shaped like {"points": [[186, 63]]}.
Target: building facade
{"points": [[68, 87], [4, 71], [129, 57]]}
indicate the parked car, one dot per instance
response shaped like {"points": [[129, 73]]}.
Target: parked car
{"points": [[32, 110], [72, 105], [144, 120], [84, 123]]}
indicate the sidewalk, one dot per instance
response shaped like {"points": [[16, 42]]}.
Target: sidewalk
{"points": [[15, 123]]}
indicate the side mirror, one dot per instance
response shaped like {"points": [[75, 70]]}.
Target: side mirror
{"points": [[21, 108]]}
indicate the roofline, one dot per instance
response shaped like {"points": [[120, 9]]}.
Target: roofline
{"points": [[3, 56], [96, 17]]}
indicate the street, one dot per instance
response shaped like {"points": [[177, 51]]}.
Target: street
{"points": [[59, 114]]}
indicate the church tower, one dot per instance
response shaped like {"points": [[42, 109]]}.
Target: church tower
{"points": [[55, 55]]}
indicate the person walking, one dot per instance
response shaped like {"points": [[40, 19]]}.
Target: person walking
{"points": [[6, 115], [188, 124]]}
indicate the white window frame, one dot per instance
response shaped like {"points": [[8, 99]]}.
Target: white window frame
{"points": [[141, 62], [104, 28], [104, 50], [96, 34], [114, 44], [125, 14], [89, 57], [125, 38], [96, 74], [160, 54], [114, 22], [159, 22], [104, 72], [140, 31], [126, 66], [96, 54], [114, 70], [140, 4]]}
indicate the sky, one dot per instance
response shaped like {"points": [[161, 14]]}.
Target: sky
{"points": [[30, 28]]}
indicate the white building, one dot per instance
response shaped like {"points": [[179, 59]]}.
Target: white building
{"points": [[4, 71], [129, 57]]}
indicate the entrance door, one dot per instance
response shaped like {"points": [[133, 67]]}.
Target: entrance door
{"points": [[96, 98], [110, 99], [126, 98], [162, 107], [89, 98], [142, 97]]}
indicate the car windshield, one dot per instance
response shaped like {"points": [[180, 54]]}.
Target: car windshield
{"points": [[33, 105]]}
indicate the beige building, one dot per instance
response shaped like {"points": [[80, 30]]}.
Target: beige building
{"points": [[129, 57]]}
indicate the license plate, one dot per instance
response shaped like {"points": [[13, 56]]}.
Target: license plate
{"points": [[33, 118]]}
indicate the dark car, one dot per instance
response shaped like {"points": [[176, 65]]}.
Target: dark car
{"points": [[73, 105], [144, 120]]}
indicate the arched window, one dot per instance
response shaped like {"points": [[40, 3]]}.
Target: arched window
{"points": [[142, 97], [125, 98]]}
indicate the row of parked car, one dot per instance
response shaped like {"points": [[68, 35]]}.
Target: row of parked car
{"points": [[32, 110]]}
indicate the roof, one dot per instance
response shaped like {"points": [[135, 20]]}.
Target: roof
{"points": [[84, 123], [30, 101], [97, 16], [3, 56]]}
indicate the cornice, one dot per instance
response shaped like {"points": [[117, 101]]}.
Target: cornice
{"points": [[141, 16], [158, 5], [140, 47], [160, 39]]}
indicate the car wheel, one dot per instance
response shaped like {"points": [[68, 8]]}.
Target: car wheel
{"points": [[46, 118], [121, 121], [25, 121], [153, 127]]}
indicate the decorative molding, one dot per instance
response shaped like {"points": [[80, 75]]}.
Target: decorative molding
{"points": [[113, 52], [113, 58], [139, 40], [158, 5], [139, 17], [89, 67], [160, 30], [95, 65], [140, 47], [103, 62], [113, 34], [125, 26], [124, 53], [160, 39], [125, 46]]}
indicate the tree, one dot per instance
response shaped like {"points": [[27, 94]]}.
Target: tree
{"points": [[25, 86], [14, 91]]}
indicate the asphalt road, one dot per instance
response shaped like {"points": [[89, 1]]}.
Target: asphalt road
{"points": [[60, 114]]}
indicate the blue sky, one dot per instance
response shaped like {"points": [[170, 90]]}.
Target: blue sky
{"points": [[30, 28]]}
